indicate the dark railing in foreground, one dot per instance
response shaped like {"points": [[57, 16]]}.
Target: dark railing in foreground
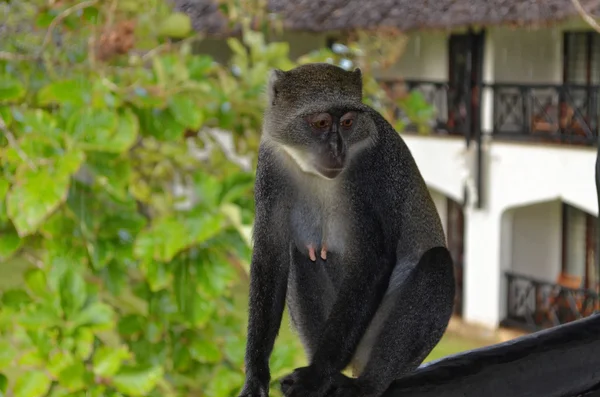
{"points": [[533, 304], [559, 362], [546, 112]]}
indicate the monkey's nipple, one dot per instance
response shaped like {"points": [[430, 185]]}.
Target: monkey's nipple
{"points": [[312, 252]]}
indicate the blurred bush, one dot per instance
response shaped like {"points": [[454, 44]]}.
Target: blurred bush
{"points": [[126, 190]]}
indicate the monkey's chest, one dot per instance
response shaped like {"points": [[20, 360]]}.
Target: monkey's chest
{"points": [[317, 226]]}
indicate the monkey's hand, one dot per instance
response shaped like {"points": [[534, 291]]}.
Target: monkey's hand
{"points": [[254, 388], [308, 382], [312, 254]]}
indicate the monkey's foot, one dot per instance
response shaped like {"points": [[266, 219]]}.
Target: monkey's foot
{"points": [[312, 252], [303, 383]]}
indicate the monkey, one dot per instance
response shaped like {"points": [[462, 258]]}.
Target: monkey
{"points": [[333, 174]]}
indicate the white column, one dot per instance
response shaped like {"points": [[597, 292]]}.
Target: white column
{"points": [[487, 96], [487, 252]]}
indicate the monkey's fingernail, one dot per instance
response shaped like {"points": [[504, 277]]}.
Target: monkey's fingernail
{"points": [[324, 253]]}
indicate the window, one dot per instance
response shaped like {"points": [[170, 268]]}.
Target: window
{"points": [[582, 58], [579, 247]]}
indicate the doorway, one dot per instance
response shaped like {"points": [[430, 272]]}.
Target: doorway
{"points": [[465, 68], [455, 239]]}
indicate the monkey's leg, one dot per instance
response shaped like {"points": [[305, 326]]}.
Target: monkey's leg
{"points": [[311, 294], [408, 325]]}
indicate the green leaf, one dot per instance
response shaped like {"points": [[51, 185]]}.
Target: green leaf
{"points": [[202, 310], [10, 242], [137, 381], [97, 315], [6, 114], [186, 111], [32, 384], [4, 187], [176, 25], [15, 298], [71, 92], [36, 281], [44, 315], [104, 130], [205, 351], [73, 377], [161, 124], [157, 274], [131, 324], [11, 89], [58, 361], [215, 274], [3, 383], [38, 192], [84, 343], [39, 123], [224, 382], [7, 354], [73, 292], [108, 360]]}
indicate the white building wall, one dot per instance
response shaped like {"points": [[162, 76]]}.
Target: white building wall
{"points": [[441, 205], [440, 161], [536, 241], [527, 55], [425, 58], [518, 175], [523, 174]]}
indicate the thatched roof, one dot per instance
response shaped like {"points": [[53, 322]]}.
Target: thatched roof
{"points": [[404, 15]]}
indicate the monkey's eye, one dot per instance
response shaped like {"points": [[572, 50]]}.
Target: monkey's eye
{"points": [[320, 121], [347, 120]]}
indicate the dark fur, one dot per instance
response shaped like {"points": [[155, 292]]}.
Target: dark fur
{"points": [[382, 299]]}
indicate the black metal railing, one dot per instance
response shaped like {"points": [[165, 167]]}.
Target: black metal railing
{"points": [[534, 305], [548, 113], [436, 93]]}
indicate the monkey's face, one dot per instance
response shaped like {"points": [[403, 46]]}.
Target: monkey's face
{"points": [[323, 142], [328, 135], [315, 113]]}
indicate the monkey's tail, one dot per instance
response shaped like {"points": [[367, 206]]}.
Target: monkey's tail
{"points": [[563, 361]]}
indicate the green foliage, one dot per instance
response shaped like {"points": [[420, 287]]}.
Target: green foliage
{"points": [[134, 233], [134, 243]]}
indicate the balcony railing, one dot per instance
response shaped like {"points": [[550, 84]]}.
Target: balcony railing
{"points": [[533, 304], [537, 112], [549, 113], [437, 94]]}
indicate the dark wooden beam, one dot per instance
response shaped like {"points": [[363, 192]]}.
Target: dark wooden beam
{"points": [[563, 361]]}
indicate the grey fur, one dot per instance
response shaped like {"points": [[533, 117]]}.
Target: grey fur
{"points": [[383, 298]]}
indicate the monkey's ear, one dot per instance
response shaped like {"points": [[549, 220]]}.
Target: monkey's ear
{"points": [[272, 87], [357, 72]]}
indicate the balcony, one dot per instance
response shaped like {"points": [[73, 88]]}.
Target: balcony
{"points": [[546, 113], [533, 305], [448, 119], [564, 114]]}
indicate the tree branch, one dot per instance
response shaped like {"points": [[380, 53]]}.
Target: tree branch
{"points": [[587, 17], [61, 17]]}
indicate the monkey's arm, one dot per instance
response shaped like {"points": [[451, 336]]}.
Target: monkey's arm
{"points": [[268, 283]]}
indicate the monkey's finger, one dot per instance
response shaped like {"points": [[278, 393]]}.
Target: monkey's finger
{"points": [[324, 252], [311, 253]]}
